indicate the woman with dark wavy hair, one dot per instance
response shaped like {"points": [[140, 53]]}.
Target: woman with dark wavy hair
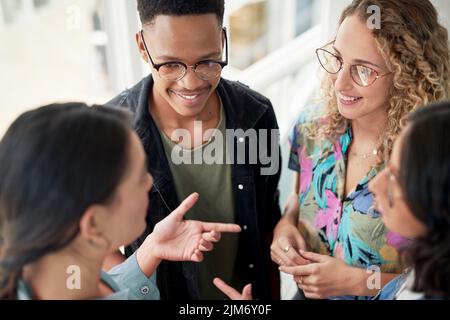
{"points": [[413, 195], [74, 188]]}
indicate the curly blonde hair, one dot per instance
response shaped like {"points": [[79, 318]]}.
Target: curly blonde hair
{"points": [[415, 48]]}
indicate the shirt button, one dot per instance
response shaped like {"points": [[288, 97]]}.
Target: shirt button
{"points": [[145, 290], [244, 227], [251, 265], [241, 187]]}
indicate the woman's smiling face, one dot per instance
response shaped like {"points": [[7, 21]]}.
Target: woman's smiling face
{"points": [[355, 44]]}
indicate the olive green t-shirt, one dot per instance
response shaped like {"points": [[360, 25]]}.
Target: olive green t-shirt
{"points": [[212, 182]]}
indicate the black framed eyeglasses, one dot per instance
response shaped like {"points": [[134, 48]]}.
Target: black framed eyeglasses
{"points": [[391, 181], [176, 70], [363, 76]]}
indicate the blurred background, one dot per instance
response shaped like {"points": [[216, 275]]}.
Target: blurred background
{"points": [[84, 50]]}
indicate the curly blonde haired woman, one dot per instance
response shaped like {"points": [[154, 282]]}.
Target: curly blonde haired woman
{"points": [[331, 232], [331, 238]]}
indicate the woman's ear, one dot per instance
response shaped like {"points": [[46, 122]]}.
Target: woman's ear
{"points": [[93, 229], [90, 222]]}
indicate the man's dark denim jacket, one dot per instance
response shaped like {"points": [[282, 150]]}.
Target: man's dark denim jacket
{"points": [[256, 196]]}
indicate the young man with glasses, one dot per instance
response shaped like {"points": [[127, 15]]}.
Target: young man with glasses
{"points": [[186, 47]]}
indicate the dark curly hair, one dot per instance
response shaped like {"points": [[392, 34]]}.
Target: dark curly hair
{"points": [[150, 9], [425, 180]]}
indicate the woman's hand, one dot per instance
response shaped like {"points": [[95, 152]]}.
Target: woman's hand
{"points": [[231, 292], [286, 237], [326, 277], [285, 245], [176, 239]]}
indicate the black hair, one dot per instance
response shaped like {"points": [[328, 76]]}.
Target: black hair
{"points": [[56, 161], [425, 180], [150, 9]]}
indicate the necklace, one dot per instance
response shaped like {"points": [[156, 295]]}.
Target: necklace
{"points": [[372, 153]]}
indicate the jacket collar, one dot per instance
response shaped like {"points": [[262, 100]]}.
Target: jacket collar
{"points": [[242, 109]]}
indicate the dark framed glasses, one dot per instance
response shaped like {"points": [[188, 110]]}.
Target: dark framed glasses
{"points": [[392, 189], [176, 70], [362, 75]]}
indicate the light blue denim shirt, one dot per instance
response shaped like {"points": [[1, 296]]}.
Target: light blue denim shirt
{"points": [[391, 289], [127, 281], [396, 286]]}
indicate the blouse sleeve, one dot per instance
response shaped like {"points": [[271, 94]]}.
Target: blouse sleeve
{"points": [[128, 275], [295, 138]]}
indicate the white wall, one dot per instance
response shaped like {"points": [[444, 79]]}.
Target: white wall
{"points": [[443, 8], [124, 62], [330, 14], [331, 10]]}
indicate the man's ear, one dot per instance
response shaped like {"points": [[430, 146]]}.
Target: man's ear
{"points": [[89, 222], [141, 47]]}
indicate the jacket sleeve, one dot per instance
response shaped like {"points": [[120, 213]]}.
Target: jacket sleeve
{"points": [[273, 195]]}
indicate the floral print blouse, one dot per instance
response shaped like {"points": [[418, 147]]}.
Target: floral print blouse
{"points": [[343, 226]]}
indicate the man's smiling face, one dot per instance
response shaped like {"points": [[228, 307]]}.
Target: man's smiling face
{"points": [[188, 39]]}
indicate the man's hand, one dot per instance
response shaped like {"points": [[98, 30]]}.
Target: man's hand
{"points": [[231, 292]]}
